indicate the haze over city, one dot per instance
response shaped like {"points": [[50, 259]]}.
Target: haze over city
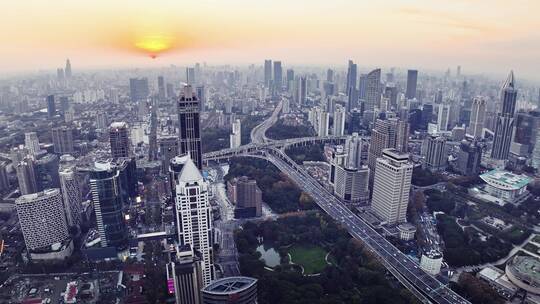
{"points": [[485, 37]]}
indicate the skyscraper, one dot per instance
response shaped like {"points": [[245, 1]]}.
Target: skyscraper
{"points": [[246, 196], [354, 147], [351, 77], [267, 73], [391, 186], [330, 75], [443, 117], [469, 157], [322, 123], [412, 77], [4, 180], [184, 275], [505, 120], [194, 216], [71, 191], [46, 169], [51, 106], [373, 90], [435, 153], [189, 125], [290, 78], [67, 70], [138, 89], [476, 123], [168, 149], [301, 93], [339, 121], [108, 205], [278, 75], [387, 133], [190, 76], [236, 134], [351, 183], [119, 139], [162, 95], [201, 96], [62, 138], [31, 142], [26, 176], [42, 219]]}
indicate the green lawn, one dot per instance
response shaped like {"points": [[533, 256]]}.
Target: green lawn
{"points": [[309, 257]]}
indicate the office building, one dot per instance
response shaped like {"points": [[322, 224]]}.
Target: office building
{"points": [[443, 117], [290, 79], [351, 78], [391, 186], [387, 133], [236, 134], [241, 290], [168, 149], [108, 205], [46, 168], [301, 91], [469, 158], [42, 219], [51, 106], [412, 78], [267, 73], [67, 70], [201, 96], [162, 93], [64, 105], [278, 75], [476, 123], [339, 159], [505, 120], [190, 76], [184, 275], [330, 75], [127, 175], [4, 180], [119, 139], [354, 147], [435, 153], [373, 90], [71, 191], [391, 93], [62, 138], [244, 193], [194, 215], [339, 121], [351, 184], [26, 176], [138, 89], [189, 125], [31, 142]]}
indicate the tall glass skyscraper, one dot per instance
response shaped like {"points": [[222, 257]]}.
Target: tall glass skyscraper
{"points": [[505, 120], [189, 120]]}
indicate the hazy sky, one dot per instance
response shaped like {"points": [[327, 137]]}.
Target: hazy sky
{"points": [[490, 36]]}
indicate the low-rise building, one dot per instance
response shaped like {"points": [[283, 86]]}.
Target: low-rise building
{"points": [[506, 186], [498, 281]]}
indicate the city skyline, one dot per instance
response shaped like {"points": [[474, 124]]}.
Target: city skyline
{"points": [[480, 35]]}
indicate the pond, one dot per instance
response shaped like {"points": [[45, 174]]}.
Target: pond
{"points": [[269, 255]]}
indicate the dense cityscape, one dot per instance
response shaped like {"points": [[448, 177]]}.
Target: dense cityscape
{"points": [[269, 153]]}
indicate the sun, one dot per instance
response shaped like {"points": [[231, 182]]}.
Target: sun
{"points": [[154, 44]]}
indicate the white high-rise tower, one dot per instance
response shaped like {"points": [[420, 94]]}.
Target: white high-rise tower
{"points": [[478, 112], [236, 134]]}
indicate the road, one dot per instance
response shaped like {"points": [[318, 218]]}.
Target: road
{"points": [[258, 133], [424, 286]]}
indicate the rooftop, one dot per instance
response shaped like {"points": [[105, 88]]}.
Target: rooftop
{"points": [[230, 284], [527, 266], [506, 179]]}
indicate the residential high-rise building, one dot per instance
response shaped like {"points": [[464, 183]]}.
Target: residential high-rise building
{"points": [[62, 138], [301, 92], [443, 117], [184, 275], [31, 142], [339, 159], [64, 105], [42, 219], [189, 125], [278, 75], [194, 215], [339, 121], [478, 112], [236, 134], [412, 78], [267, 73], [391, 186], [108, 205], [322, 123], [26, 176], [71, 191], [469, 157], [51, 106], [138, 89], [351, 184], [67, 70], [46, 169], [102, 122], [162, 94], [435, 153], [119, 139], [354, 147], [373, 90], [505, 120]]}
